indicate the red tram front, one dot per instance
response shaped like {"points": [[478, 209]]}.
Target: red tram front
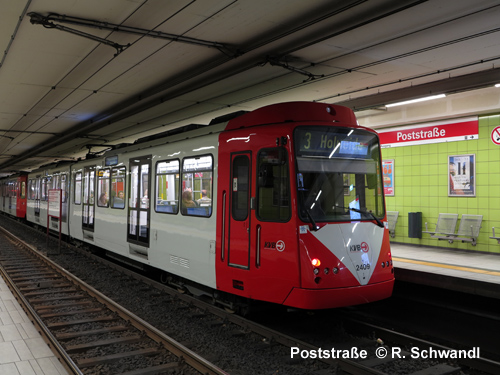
{"points": [[301, 212], [13, 194]]}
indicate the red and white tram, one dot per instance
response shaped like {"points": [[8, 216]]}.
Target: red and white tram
{"points": [[283, 204], [301, 206], [13, 195]]}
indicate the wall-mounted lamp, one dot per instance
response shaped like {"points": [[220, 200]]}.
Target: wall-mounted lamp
{"points": [[416, 100]]}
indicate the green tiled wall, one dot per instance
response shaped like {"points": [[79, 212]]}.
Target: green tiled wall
{"points": [[421, 185]]}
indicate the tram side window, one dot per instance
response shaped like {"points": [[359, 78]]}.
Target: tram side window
{"points": [[167, 186], [56, 184], [197, 186], [103, 188], [44, 189], [118, 187], [64, 187], [78, 188], [31, 189], [241, 187], [23, 190], [59, 182], [273, 185]]}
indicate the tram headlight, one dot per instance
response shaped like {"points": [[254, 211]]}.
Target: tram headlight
{"points": [[316, 271], [316, 262], [335, 270]]}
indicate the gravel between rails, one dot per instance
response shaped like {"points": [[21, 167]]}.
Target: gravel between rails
{"points": [[221, 343]]}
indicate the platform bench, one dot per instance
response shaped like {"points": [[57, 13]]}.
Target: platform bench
{"points": [[468, 231], [495, 237], [445, 227], [392, 219]]}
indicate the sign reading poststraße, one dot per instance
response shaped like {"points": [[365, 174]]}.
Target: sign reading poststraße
{"points": [[436, 132]]}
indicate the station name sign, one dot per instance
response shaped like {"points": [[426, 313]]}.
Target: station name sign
{"points": [[459, 130]]}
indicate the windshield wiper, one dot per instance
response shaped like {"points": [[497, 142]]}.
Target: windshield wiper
{"points": [[369, 213], [313, 223]]}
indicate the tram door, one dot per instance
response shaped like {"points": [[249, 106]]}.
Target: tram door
{"points": [[239, 211], [3, 192], [88, 198], [38, 182], [138, 208]]}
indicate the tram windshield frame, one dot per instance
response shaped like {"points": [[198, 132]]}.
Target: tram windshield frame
{"points": [[338, 174]]}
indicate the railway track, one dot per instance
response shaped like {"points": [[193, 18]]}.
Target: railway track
{"points": [[401, 345], [263, 340], [88, 332]]}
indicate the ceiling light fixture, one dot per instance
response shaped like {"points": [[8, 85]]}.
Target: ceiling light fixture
{"points": [[416, 100]]}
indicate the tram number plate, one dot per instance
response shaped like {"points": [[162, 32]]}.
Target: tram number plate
{"points": [[361, 267]]}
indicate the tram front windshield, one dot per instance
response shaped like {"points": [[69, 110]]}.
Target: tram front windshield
{"points": [[338, 174]]}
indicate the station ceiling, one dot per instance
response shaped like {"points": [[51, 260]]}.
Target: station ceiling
{"points": [[80, 75]]}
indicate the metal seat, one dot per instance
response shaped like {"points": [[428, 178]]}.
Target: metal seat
{"points": [[468, 231], [392, 218], [495, 237], [446, 224]]}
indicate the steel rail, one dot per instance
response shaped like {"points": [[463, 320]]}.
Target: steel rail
{"points": [[49, 338], [348, 366], [272, 336], [481, 364], [185, 354]]}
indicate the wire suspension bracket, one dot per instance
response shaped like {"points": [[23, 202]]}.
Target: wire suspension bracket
{"points": [[277, 62], [49, 22]]}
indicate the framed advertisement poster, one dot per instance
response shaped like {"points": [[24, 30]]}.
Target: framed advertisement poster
{"points": [[461, 175], [388, 175]]}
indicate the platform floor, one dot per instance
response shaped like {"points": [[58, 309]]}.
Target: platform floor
{"points": [[22, 349], [469, 272]]}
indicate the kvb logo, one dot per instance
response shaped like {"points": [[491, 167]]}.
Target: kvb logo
{"points": [[363, 246], [280, 245]]}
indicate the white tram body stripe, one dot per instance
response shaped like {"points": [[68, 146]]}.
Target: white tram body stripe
{"points": [[356, 245]]}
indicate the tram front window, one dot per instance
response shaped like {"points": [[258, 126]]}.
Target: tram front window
{"points": [[338, 174]]}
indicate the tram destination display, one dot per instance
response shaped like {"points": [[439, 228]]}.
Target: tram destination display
{"points": [[328, 144]]}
